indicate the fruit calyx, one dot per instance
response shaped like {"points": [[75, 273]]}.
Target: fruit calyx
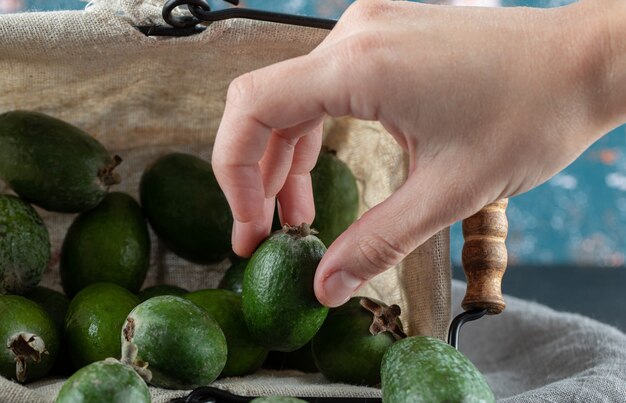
{"points": [[299, 231], [106, 174], [130, 352], [25, 346], [385, 318]]}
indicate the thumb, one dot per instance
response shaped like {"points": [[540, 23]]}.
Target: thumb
{"points": [[383, 237]]}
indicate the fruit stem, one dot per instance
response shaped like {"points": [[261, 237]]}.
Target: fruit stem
{"points": [[130, 352], [25, 346], [385, 318], [299, 231], [106, 174]]}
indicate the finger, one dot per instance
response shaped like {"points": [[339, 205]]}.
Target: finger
{"points": [[280, 96], [277, 161], [295, 200], [387, 233]]}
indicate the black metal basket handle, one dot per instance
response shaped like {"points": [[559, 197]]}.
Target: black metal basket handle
{"points": [[201, 13]]}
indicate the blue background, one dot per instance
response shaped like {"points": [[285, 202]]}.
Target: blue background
{"points": [[578, 217]]}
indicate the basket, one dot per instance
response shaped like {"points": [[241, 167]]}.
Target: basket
{"points": [[143, 96]]}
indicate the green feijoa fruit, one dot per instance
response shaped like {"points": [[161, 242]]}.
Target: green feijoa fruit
{"points": [[55, 304], [93, 322], [279, 305], [161, 289], [350, 345], [53, 164], [109, 243], [336, 196], [107, 381], [277, 399], [174, 343], [24, 246], [186, 207], [426, 369], [245, 356], [233, 277], [29, 338], [51, 301]]}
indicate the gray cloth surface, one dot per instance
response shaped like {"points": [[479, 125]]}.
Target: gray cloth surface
{"points": [[531, 353]]}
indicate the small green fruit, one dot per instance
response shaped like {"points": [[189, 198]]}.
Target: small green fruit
{"points": [[425, 369], [186, 207], [279, 304], [93, 322], [29, 338], [350, 345], [109, 243], [233, 277], [24, 246], [53, 164], [174, 343], [107, 381]]}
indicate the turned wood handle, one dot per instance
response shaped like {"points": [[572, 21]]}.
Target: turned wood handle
{"points": [[484, 257]]}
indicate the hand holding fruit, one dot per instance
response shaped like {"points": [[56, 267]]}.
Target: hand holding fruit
{"points": [[480, 119]]}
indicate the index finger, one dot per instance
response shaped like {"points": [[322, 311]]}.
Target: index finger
{"points": [[280, 96]]}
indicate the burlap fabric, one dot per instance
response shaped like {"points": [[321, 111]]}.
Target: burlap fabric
{"points": [[145, 96]]}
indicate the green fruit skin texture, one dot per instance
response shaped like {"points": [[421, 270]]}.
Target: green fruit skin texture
{"points": [[279, 304], [161, 289], [24, 246], [104, 382], [51, 163], [186, 208], [245, 356], [183, 346], [94, 320], [425, 369], [109, 243], [18, 314], [336, 197], [344, 349], [233, 277]]}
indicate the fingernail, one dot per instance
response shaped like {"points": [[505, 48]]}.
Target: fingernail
{"points": [[339, 287]]}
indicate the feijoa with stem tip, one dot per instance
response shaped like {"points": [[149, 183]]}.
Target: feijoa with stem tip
{"points": [[107, 381], [245, 356], [107, 244], [29, 337], [161, 289], [93, 322], [24, 246], [426, 369], [53, 164], [350, 345], [173, 343], [336, 196], [279, 304], [186, 207]]}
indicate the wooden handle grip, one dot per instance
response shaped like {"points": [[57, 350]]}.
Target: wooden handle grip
{"points": [[484, 257]]}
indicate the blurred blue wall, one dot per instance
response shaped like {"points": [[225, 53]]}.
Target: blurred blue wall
{"points": [[578, 217]]}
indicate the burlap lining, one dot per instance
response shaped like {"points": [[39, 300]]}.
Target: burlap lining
{"points": [[144, 96]]}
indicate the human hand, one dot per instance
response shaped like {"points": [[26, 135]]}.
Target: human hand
{"points": [[488, 103]]}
